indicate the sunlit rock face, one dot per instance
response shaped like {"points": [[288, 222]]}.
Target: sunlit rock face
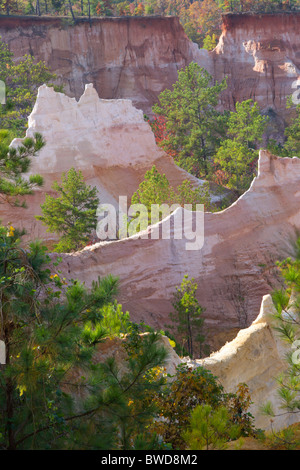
{"points": [[234, 268], [128, 57], [256, 357], [259, 55], [108, 140], [137, 58]]}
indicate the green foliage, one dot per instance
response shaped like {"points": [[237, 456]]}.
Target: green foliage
{"points": [[291, 145], [235, 166], [152, 442], [286, 439], [187, 318], [114, 320], [179, 348], [57, 389], [22, 80], [14, 161], [210, 429], [276, 148], [156, 199], [187, 390], [210, 42], [42, 324], [189, 195], [238, 404], [202, 20], [286, 323], [194, 127], [123, 395], [222, 147], [237, 156], [73, 214], [246, 124], [292, 133], [156, 189]]}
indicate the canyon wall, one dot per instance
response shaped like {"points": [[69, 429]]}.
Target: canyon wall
{"points": [[113, 146], [234, 268], [260, 56], [137, 58], [134, 58]]}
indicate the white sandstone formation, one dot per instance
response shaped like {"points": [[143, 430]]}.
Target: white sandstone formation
{"points": [[108, 140], [90, 132], [255, 357]]}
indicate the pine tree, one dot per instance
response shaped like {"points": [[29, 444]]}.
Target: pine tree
{"points": [[73, 214], [156, 189], [43, 338], [210, 429], [188, 318], [210, 42], [21, 79], [286, 322], [292, 133], [195, 127], [14, 162], [237, 156], [55, 391]]}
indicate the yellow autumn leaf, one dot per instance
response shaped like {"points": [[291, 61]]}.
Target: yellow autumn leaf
{"points": [[22, 389], [11, 232]]}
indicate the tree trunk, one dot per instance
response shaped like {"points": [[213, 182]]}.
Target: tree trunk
{"points": [[71, 10], [190, 339], [38, 9], [9, 389], [89, 4]]}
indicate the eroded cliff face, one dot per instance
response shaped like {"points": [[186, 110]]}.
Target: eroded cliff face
{"points": [[233, 269], [113, 146], [260, 56], [137, 58], [134, 58]]}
